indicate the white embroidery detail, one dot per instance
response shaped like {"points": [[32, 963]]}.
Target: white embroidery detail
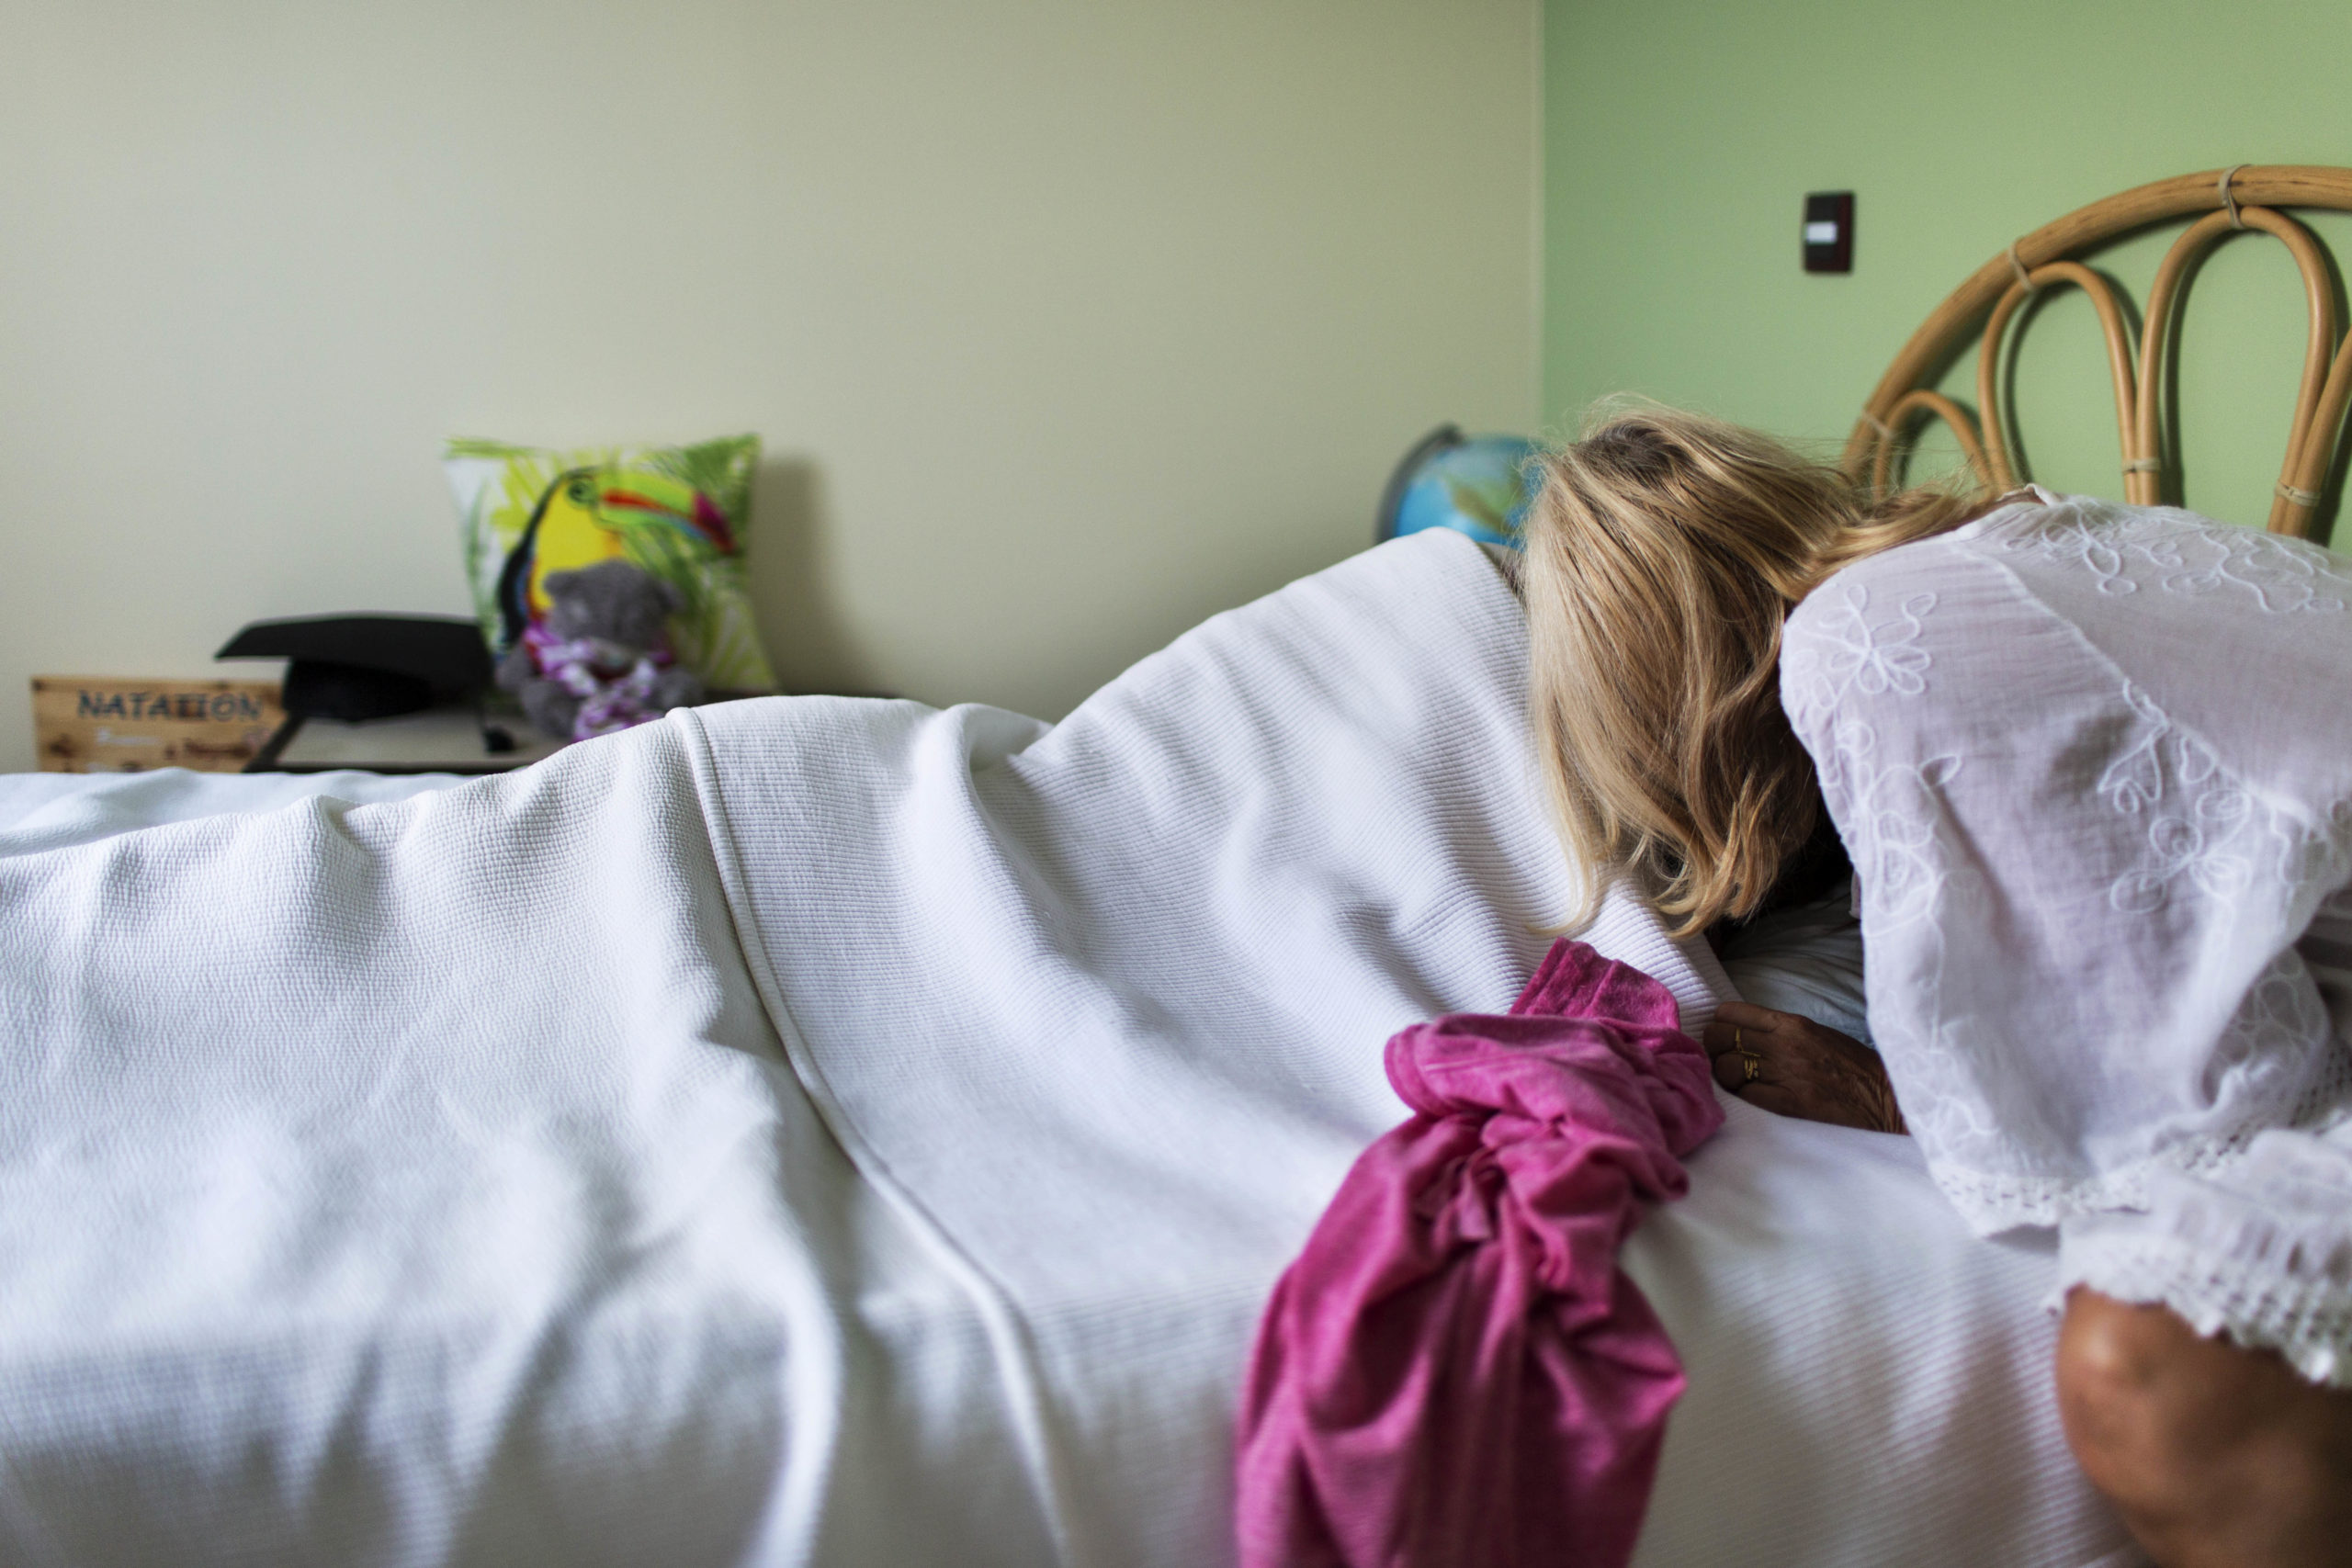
{"points": [[2200, 818], [2230, 871], [2179, 552], [1845, 652]]}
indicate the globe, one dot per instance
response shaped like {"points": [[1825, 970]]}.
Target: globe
{"points": [[1475, 485]]}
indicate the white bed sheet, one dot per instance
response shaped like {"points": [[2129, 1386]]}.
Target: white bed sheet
{"points": [[1867, 1383], [609, 1295]]}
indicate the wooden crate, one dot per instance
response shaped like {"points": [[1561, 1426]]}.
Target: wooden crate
{"points": [[105, 725]]}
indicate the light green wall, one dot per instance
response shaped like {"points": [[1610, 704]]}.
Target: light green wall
{"points": [[1681, 136]]}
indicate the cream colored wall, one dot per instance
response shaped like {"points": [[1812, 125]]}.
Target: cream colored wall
{"points": [[1066, 322]]}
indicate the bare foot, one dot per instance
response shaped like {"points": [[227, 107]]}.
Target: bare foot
{"points": [[1797, 1067]]}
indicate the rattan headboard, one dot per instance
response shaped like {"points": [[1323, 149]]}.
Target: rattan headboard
{"points": [[2244, 198]]}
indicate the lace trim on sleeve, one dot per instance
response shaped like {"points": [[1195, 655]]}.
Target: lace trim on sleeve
{"points": [[1992, 1201]]}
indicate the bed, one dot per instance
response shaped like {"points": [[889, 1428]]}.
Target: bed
{"points": [[824, 1131]]}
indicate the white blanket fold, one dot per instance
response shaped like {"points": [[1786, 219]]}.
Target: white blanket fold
{"points": [[1105, 1003], [394, 1183]]}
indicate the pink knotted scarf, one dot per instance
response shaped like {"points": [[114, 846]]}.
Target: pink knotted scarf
{"points": [[1454, 1371]]}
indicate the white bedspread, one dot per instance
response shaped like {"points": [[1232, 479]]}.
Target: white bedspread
{"points": [[822, 1131]]}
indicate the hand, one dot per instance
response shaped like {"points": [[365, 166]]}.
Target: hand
{"points": [[1797, 1067]]}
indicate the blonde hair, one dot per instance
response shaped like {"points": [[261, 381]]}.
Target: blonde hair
{"points": [[1664, 552]]}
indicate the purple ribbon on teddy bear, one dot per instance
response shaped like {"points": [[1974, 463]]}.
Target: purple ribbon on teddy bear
{"points": [[599, 659], [613, 693]]}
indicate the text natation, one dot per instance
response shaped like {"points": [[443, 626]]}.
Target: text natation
{"points": [[107, 724]]}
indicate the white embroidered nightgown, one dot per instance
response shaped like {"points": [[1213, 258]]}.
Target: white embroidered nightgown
{"points": [[2093, 765]]}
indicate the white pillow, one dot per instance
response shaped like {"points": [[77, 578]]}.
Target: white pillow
{"points": [[1807, 960]]}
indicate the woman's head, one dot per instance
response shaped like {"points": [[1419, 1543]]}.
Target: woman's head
{"points": [[1663, 553]]}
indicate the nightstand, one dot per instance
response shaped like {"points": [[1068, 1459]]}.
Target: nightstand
{"points": [[438, 741]]}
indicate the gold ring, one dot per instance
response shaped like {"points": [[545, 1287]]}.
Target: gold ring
{"points": [[1734, 1041], [1752, 1065]]}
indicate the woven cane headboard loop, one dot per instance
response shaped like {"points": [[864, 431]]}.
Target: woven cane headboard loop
{"points": [[2287, 514], [2242, 197], [1988, 361]]}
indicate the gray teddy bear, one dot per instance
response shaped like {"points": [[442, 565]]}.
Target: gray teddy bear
{"points": [[599, 660]]}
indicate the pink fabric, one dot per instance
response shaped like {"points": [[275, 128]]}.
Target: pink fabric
{"points": [[1454, 1371]]}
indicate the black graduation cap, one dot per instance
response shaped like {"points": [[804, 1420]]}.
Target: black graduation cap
{"points": [[355, 667]]}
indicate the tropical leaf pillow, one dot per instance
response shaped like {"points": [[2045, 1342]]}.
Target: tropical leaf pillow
{"points": [[678, 511]]}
